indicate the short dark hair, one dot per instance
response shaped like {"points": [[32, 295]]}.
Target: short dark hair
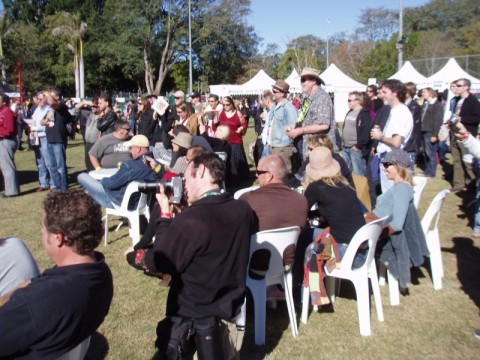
{"points": [[76, 216], [397, 87], [214, 97], [178, 129], [214, 164], [106, 96], [119, 124]]}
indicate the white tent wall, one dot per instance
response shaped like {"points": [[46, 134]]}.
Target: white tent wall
{"points": [[255, 86], [450, 72], [409, 73]]}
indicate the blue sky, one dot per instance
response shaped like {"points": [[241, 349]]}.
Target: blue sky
{"points": [[279, 21]]}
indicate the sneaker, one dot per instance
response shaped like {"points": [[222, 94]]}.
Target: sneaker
{"points": [[477, 333]]}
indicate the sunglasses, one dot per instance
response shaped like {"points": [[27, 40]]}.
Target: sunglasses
{"points": [[303, 79], [260, 172], [127, 129], [387, 164], [179, 97]]}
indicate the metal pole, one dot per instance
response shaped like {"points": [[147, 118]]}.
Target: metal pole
{"points": [[328, 37], [400, 37], [190, 47]]}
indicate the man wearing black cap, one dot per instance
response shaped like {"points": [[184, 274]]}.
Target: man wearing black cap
{"points": [[196, 102], [281, 117]]}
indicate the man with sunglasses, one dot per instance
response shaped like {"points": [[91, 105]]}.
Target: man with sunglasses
{"points": [[282, 116], [316, 113], [110, 150], [467, 109]]}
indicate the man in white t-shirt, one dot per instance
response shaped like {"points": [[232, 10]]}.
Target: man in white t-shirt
{"points": [[399, 125]]}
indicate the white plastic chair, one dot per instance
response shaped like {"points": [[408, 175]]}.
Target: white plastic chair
{"points": [[78, 352], [430, 230], [420, 183], [240, 192], [359, 277], [133, 215], [276, 241]]}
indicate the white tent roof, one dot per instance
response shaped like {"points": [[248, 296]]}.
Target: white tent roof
{"points": [[409, 73], [294, 81], [222, 90], [450, 72], [336, 80], [255, 86]]}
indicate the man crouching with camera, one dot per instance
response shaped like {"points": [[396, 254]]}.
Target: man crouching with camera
{"points": [[205, 248]]}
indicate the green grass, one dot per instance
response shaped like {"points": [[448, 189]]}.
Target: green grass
{"points": [[428, 324]]}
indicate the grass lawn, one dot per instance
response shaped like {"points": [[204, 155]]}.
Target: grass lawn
{"points": [[428, 324]]}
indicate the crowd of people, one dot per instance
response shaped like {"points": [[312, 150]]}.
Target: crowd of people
{"points": [[308, 176]]}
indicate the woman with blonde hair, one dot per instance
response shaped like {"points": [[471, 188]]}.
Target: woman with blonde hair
{"points": [[406, 242]]}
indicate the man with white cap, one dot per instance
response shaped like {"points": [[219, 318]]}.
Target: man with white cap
{"points": [[282, 116], [110, 190], [316, 112]]}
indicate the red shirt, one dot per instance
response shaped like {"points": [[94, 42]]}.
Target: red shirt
{"points": [[233, 123], [8, 125]]}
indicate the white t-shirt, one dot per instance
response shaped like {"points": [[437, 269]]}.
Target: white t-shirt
{"points": [[400, 122]]}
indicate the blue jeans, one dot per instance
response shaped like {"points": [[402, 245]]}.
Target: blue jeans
{"points": [[41, 153], [95, 189], [354, 160], [430, 154], [57, 165]]}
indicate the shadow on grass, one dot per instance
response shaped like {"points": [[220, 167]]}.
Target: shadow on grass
{"points": [[98, 348], [468, 266]]}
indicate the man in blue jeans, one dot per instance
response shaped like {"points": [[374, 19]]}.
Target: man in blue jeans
{"points": [[55, 124], [109, 191]]}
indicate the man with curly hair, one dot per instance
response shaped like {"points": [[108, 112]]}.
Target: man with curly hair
{"points": [[48, 316]]}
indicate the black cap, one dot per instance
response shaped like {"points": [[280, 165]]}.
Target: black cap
{"points": [[194, 95]]}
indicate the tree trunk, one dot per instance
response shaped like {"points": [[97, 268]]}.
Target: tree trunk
{"points": [[148, 72]]}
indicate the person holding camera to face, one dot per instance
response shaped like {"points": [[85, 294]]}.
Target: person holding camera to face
{"points": [[205, 248]]}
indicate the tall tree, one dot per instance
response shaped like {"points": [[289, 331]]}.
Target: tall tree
{"points": [[377, 24]]}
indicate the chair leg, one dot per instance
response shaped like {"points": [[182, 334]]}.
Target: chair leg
{"points": [[305, 303], [119, 226], [435, 259], [287, 280], [134, 228], [393, 290], [242, 317], [363, 305], [376, 291], [382, 272], [106, 229], [259, 293], [332, 285]]}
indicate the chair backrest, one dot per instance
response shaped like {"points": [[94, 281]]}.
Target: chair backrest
{"points": [[275, 241], [420, 183], [131, 189], [369, 232], [240, 192], [222, 155], [432, 215], [78, 352]]}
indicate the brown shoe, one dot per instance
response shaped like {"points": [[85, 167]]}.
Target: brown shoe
{"points": [[40, 189]]}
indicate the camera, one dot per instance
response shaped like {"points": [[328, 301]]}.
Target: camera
{"points": [[173, 188], [454, 119]]}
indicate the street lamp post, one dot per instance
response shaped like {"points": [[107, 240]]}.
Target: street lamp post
{"points": [[401, 38], [328, 38], [190, 47]]}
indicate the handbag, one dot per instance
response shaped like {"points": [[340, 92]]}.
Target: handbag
{"points": [[176, 338], [33, 138]]}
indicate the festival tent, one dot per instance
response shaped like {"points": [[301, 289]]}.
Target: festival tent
{"points": [[255, 86], [222, 90], [294, 81], [409, 73], [450, 72], [340, 85]]}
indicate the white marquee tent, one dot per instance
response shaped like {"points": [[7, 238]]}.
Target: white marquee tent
{"points": [[450, 72], [255, 86], [409, 73], [340, 85], [294, 81]]}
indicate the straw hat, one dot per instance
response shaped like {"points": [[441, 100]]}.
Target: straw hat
{"points": [[281, 85], [183, 140], [322, 164], [314, 73]]}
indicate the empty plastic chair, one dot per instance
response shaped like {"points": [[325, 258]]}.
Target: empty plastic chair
{"points": [[240, 192], [420, 183]]}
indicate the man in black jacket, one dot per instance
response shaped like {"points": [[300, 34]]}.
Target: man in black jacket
{"points": [[107, 118], [467, 108], [205, 248]]}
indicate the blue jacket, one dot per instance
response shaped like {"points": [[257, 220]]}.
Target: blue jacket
{"points": [[282, 115], [131, 170]]}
